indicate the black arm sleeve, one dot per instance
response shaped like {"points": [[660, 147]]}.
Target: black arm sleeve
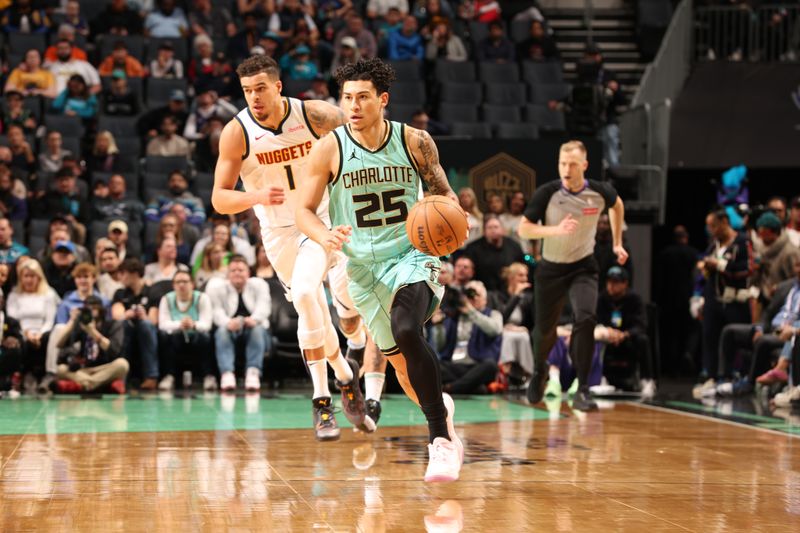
{"points": [[606, 190], [537, 207]]}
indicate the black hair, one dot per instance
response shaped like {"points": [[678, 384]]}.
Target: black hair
{"points": [[259, 63], [720, 214], [132, 265], [379, 73]]}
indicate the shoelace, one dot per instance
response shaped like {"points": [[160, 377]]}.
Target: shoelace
{"points": [[439, 453]]}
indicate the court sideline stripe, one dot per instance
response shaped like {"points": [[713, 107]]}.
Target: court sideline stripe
{"points": [[715, 419]]}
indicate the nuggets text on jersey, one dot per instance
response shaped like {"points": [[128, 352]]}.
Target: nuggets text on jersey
{"points": [[284, 154]]}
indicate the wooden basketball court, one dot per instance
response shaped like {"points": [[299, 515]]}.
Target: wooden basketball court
{"points": [[252, 464]]}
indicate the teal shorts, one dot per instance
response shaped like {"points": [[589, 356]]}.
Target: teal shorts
{"points": [[372, 288]]}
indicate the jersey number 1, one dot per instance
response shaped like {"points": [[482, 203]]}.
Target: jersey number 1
{"points": [[375, 203], [289, 176]]}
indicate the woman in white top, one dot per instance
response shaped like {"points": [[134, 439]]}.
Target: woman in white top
{"points": [[33, 302], [166, 265]]}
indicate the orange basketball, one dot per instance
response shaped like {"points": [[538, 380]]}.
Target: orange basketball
{"points": [[437, 226]]}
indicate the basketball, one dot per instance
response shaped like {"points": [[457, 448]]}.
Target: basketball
{"points": [[437, 226]]}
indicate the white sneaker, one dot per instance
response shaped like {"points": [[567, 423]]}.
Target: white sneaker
{"points": [[603, 388], [228, 382], [785, 399], [444, 461], [450, 405], [701, 390], [167, 383], [209, 383], [252, 380], [648, 387]]}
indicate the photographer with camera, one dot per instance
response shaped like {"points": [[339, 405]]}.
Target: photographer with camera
{"points": [[85, 276], [90, 351], [184, 330], [134, 305], [468, 343]]}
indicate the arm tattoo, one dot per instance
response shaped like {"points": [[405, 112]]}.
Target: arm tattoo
{"points": [[324, 118], [430, 169]]}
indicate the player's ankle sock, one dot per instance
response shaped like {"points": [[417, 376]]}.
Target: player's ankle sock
{"points": [[341, 368], [373, 382], [319, 377], [436, 415]]}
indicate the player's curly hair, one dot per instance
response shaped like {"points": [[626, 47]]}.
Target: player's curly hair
{"points": [[379, 73], [259, 63]]}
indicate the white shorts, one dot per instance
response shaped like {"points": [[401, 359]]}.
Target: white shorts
{"points": [[286, 247]]}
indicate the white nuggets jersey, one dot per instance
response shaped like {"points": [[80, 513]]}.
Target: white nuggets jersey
{"points": [[277, 157]]}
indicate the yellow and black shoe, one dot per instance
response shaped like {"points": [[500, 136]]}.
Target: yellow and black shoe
{"points": [[325, 426], [353, 404]]}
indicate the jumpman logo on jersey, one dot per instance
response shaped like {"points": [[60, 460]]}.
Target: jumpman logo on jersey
{"points": [[353, 156]]}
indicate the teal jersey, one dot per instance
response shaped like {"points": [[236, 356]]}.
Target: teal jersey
{"points": [[373, 192]]}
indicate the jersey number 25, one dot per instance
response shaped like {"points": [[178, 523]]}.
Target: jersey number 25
{"points": [[385, 201]]}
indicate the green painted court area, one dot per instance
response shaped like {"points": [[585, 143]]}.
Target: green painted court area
{"points": [[113, 414]]}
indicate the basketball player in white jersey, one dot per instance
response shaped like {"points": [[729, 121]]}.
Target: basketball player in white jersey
{"points": [[267, 144]]}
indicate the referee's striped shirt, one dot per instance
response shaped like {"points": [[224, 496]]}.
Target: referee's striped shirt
{"points": [[552, 202]]}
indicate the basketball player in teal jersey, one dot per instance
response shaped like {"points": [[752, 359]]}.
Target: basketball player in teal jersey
{"points": [[371, 169]]}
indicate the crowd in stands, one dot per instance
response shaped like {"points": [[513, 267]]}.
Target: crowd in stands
{"points": [[116, 272]]}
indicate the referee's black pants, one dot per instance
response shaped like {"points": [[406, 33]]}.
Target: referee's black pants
{"points": [[553, 284]]}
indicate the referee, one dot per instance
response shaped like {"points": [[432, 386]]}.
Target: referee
{"points": [[564, 214]]}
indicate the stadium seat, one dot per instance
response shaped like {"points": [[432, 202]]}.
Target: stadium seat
{"points": [[410, 92], [403, 112], [165, 164], [19, 43], [97, 229], [159, 90], [20, 234], [455, 71], [474, 130], [136, 85], [36, 243], [38, 227], [545, 118], [452, 113], [546, 72], [541, 93], [501, 114], [203, 180], [478, 31], [128, 163], [294, 88], [517, 131], [505, 93], [68, 126], [73, 144], [462, 93], [498, 72], [406, 71], [180, 45], [129, 145], [150, 231], [154, 181], [135, 44], [118, 126], [520, 30]]}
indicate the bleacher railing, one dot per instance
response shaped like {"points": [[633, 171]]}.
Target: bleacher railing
{"points": [[741, 33], [644, 127]]}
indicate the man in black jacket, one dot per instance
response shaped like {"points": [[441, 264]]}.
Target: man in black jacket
{"points": [[492, 252], [622, 313]]}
